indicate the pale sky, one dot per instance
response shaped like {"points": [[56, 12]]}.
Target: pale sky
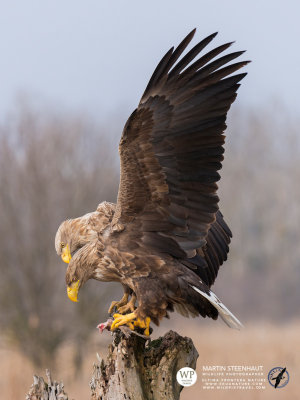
{"points": [[97, 56]]}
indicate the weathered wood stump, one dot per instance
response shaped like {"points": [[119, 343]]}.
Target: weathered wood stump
{"points": [[50, 390], [139, 370], [135, 369]]}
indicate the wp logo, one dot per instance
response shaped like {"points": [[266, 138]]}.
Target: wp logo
{"points": [[186, 376]]}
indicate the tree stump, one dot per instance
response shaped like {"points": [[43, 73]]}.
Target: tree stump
{"points": [[135, 369], [139, 370], [50, 390]]}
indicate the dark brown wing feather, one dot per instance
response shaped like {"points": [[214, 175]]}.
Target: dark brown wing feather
{"points": [[171, 150], [210, 257], [216, 248]]}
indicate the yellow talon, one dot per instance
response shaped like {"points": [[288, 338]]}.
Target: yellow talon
{"points": [[131, 321], [120, 319], [130, 325], [147, 330], [140, 323], [143, 324]]}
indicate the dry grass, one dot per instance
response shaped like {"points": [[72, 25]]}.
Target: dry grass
{"points": [[264, 344]]}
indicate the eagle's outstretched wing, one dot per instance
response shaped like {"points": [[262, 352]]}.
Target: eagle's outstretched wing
{"points": [[171, 149]]}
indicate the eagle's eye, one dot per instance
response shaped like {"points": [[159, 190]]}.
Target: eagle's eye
{"points": [[62, 245]]}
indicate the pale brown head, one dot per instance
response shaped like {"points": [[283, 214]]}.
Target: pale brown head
{"points": [[71, 238], [74, 234], [78, 243]]}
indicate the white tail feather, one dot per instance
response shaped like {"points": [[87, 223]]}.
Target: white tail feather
{"points": [[224, 313]]}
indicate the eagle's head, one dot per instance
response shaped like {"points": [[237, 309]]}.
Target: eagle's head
{"points": [[81, 268], [78, 242], [73, 234]]}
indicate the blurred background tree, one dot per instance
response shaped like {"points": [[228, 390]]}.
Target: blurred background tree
{"points": [[51, 168], [54, 167]]}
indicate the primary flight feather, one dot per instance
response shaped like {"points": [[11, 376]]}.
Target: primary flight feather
{"points": [[165, 239]]}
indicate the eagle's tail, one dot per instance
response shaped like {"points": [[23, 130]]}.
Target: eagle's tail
{"points": [[223, 311]]}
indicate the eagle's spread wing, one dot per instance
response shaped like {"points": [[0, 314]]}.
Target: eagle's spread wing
{"points": [[171, 149]]}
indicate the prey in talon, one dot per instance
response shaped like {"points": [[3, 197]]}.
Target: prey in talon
{"points": [[165, 238]]}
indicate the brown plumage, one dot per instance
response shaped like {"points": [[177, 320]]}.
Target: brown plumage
{"points": [[165, 239]]}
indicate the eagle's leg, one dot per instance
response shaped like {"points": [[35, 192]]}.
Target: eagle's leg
{"points": [[126, 319], [123, 301], [120, 303], [130, 306]]}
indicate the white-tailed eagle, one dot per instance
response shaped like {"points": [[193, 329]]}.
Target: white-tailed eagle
{"points": [[165, 239]]}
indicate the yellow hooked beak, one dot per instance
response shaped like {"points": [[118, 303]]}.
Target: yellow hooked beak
{"points": [[72, 291], [66, 254]]}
